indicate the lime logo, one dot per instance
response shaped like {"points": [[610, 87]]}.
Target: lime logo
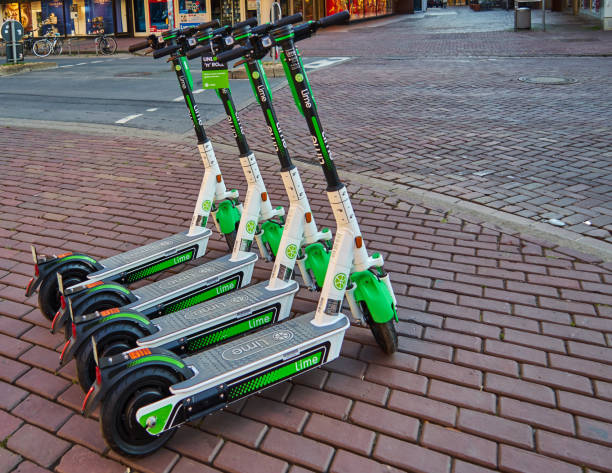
{"points": [[299, 77], [291, 251], [206, 205], [340, 281], [255, 75], [250, 226], [177, 67]]}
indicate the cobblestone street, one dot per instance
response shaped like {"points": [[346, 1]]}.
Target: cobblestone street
{"points": [[505, 347]]}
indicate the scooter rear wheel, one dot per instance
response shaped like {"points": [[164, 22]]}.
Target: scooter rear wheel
{"points": [[112, 340], [120, 428], [48, 294], [384, 333]]}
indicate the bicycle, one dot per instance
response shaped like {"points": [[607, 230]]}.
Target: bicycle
{"points": [[105, 44], [45, 46]]}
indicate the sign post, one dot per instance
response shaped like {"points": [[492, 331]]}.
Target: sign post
{"points": [[12, 32]]}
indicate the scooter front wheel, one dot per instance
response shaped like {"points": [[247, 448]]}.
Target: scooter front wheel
{"points": [[48, 294], [120, 428], [384, 333], [111, 340]]}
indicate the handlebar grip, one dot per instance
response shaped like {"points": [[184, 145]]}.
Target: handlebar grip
{"points": [[335, 19], [138, 46], [197, 52], [208, 24], [287, 20], [233, 54], [252, 22], [165, 51]]}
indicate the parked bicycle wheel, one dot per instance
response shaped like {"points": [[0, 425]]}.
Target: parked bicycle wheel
{"points": [[107, 45], [42, 47], [58, 47]]}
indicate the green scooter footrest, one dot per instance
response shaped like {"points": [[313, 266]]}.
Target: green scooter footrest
{"points": [[227, 216], [375, 295], [317, 260], [271, 234]]}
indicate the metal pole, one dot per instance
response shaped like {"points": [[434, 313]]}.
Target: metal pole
{"points": [[14, 42]]}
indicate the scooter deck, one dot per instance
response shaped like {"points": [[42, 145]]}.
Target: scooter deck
{"points": [[234, 361], [152, 251], [229, 310], [193, 279]]}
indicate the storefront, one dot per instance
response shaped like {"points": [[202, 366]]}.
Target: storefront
{"points": [[143, 17]]}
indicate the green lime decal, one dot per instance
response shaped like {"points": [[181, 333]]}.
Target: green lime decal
{"points": [[206, 205], [255, 75], [291, 251], [299, 77], [177, 67], [250, 226], [340, 281]]}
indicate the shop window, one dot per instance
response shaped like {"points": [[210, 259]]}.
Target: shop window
{"points": [[192, 12], [140, 22], [120, 11], [160, 15]]}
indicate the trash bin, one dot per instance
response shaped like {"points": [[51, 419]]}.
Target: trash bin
{"points": [[522, 18]]}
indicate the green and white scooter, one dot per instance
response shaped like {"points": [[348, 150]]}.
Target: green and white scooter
{"points": [[83, 272], [151, 391], [117, 330]]}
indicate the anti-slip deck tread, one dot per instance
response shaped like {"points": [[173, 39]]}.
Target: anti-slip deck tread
{"points": [[151, 251], [235, 302], [216, 269], [246, 350]]}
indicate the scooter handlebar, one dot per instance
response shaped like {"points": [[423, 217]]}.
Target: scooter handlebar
{"points": [[197, 52], [209, 24], [252, 22], [335, 19], [165, 51], [287, 20], [233, 54], [138, 46]]}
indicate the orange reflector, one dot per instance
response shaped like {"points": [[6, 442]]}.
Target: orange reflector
{"points": [[138, 353], [64, 254], [264, 196], [62, 301], [219, 178], [89, 393], [308, 217], [98, 375], [74, 330], [358, 242], [114, 310], [93, 284]]}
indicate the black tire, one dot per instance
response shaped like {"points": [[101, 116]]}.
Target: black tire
{"points": [[230, 238], [111, 340], [120, 429], [42, 48], [384, 333], [102, 301], [107, 45], [48, 293]]}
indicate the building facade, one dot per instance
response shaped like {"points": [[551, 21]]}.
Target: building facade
{"points": [[143, 17]]}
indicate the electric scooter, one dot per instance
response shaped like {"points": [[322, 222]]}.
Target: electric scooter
{"points": [[151, 391], [81, 272], [190, 287], [192, 329]]}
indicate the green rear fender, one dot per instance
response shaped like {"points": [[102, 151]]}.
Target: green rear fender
{"points": [[317, 260], [375, 295], [227, 216]]}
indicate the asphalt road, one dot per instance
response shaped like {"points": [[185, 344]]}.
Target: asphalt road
{"points": [[123, 90]]}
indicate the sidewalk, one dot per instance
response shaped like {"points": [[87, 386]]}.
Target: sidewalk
{"points": [[505, 361]]}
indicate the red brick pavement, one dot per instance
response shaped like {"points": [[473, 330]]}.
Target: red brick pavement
{"points": [[504, 364]]}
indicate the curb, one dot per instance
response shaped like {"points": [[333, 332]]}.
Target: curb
{"points": [[11, 70], [432, 200]]}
